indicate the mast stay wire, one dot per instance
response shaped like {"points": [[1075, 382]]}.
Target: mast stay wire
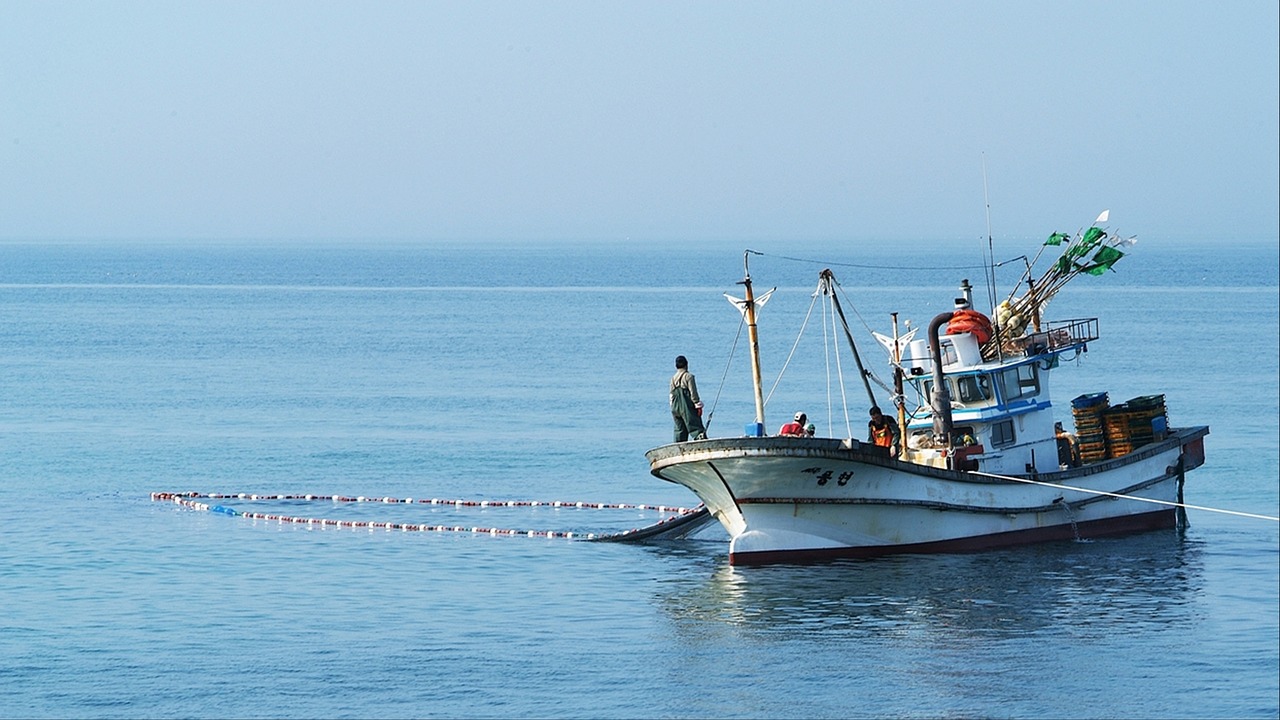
{"points": [[862, 266], [827, 279], [827, 287], [826, 362], [870, 374], [794, 345], [831, 348], [835, 350], [724, 376]]}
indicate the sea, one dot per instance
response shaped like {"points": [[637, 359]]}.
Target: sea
{"points": [[480, 373]]}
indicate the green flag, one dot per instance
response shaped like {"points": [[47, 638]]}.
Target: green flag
{"points": [[1057, 238], [1106, 257], [1086, 243]]}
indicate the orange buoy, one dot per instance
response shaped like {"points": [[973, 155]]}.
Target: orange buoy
{"points": [[970, 321]]}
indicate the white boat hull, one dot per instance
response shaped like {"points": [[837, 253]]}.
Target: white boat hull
{"points": [[791, 499]]}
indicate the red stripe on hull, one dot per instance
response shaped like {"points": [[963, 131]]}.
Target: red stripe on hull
{"points": [[1095, 528]]}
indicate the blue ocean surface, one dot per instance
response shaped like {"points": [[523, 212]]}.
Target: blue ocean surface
{"points": [[539, 372]]}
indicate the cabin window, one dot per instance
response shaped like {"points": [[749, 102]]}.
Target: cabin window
{"points": [[973, 388], [967, 389], [963, 436], [1002, 433], [1020, 382]]}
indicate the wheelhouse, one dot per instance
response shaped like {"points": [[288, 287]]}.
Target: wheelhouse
{"points": [[1001, 413]]}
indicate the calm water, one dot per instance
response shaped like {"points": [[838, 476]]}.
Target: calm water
{"points": [[540, 373]]}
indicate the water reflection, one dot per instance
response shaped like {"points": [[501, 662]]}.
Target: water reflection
{"points": [[1083, 587]]}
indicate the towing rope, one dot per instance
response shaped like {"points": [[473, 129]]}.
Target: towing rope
{"points": [[191, 500], [1122, 496]]}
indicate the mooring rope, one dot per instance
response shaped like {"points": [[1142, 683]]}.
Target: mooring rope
{"points": [[1126, 497], [191, 500]]}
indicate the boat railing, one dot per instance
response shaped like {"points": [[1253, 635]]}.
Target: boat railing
{"points": [[1058, 335]]}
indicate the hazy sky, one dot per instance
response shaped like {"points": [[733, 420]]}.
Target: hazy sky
{"points": [[612, 120]]}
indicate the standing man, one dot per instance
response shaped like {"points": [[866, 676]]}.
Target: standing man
{"points": [[686, 408], [883, 431]]}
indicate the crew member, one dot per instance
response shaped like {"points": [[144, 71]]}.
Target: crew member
{"points": [[1068, 448], [686, 408], [795, 428], [883, 431]]}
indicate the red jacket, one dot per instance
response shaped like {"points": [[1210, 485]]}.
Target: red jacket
{"points": [[792, 428]]}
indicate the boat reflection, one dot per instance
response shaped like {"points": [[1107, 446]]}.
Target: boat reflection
{"points": [[1147, 580]]}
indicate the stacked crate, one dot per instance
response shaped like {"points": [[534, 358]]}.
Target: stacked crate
{"points": [[1087, 411], [1135, 423]]}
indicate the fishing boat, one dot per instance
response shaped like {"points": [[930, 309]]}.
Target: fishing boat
{"points": [[978, 462]]}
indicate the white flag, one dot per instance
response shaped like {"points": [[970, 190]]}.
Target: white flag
{"points": [[1103, 217]]}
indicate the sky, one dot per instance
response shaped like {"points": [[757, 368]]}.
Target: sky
{"points": [[620, 121]]}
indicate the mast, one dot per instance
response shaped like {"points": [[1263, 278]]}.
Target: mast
{"points": [[749, 309]]}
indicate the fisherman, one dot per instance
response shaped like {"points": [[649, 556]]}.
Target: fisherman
{"points": [[883, 431], [686, 408], [795, 428], [1068, 447]]}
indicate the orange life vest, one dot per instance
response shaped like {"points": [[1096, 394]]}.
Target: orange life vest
{"points": [[882, 435]]}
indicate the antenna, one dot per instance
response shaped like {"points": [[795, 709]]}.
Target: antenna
{"points": [[991, 253], [991, 264]]}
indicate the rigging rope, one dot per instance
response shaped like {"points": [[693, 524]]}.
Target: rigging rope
{"points": [[835, 351], [1124, 497], [794, 345], [829, 279], [725, 375], [827, 288], [874, 267]]}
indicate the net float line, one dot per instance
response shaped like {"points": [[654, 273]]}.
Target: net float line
{"points": [[191, 500], [164, 496]]}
